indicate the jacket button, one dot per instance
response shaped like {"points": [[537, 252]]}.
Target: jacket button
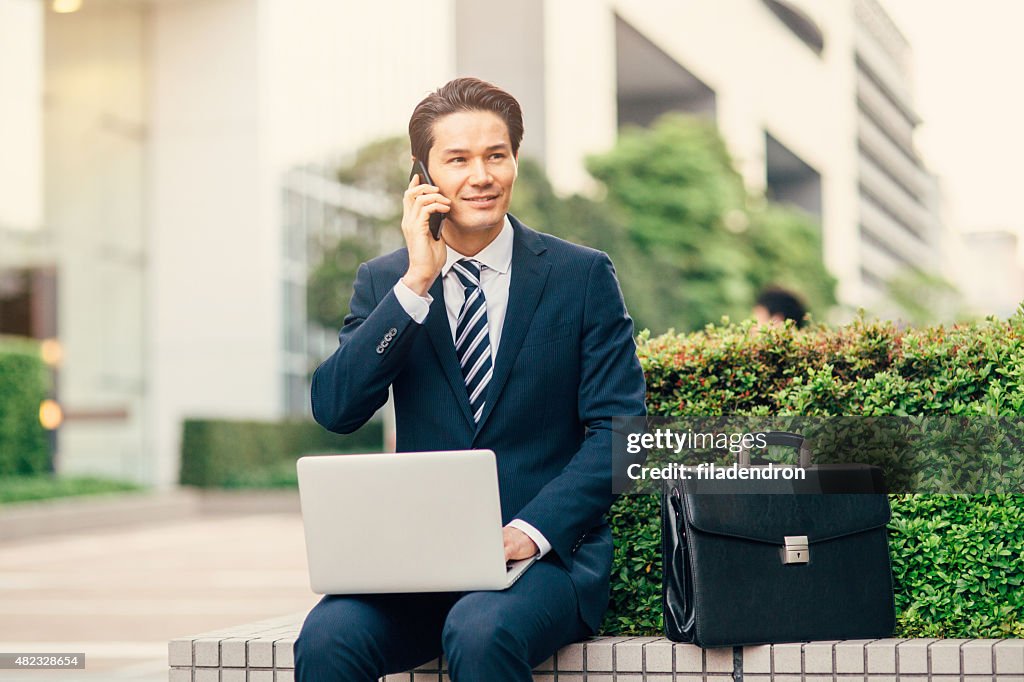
{"points": [[393, 331], [380, 350]]}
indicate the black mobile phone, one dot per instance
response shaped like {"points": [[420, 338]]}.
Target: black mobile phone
{"points": [[420, 168]]}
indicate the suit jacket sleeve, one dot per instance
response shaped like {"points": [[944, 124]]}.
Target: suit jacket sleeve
{"points": [[611, 385], [373, 347]]}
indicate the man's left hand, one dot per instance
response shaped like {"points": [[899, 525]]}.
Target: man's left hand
{"points": [[518, 544]]}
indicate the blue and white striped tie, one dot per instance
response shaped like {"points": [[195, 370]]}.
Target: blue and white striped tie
{"points": [[472, 343]]}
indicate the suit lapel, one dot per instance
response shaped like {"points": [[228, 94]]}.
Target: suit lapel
{"points": [[441, 336], [529, 275]]}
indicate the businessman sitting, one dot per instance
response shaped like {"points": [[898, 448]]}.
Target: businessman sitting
{"points": [[494, 336]]}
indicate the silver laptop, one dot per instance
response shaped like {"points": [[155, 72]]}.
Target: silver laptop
{"points": [[404, 522]]}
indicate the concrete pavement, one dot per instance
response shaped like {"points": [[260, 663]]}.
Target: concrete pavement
{"points": [[119, 595]]}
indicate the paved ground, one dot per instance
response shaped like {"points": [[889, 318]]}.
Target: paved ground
{"points": [[119, 595]]}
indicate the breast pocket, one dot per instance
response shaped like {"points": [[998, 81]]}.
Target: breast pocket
{"points": [[548, 334]]}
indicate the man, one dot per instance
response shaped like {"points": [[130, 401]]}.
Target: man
{"points": [[498, 337], [775, 305]]}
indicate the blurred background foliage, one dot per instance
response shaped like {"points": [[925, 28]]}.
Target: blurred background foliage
{"points": [[26, 459], [921, 298], [379, 168], [24, 384], [686, 211], [226, 453], [35, 487]]}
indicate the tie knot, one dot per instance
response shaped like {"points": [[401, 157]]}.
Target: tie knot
{"points": [[468, 272]]}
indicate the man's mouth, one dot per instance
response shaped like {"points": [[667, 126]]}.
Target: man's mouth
{"points": [[482, 199]]}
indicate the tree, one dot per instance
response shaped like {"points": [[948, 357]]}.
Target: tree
{"points": [[330, 283], [377, 168], [582, 220], [785, 250], [708, 247]]}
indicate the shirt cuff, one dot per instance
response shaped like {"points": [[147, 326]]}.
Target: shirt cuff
{"points": [[417, 306], [533, 534]]}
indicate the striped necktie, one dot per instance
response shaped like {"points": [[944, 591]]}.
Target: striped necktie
{"points": [[472, 343]]}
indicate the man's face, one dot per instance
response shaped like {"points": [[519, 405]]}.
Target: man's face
{"points": [[762, 315], [765, 317], [472, 164]]}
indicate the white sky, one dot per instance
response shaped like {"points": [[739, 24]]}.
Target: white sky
{"points": [[969, 89]]}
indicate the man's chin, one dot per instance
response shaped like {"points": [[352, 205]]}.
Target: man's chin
{"points": [[478, 223]]}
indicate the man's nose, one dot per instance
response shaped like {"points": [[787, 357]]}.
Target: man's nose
{"points": [[479, 175]]}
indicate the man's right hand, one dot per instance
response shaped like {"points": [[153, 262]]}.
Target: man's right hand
{"points": [[426, 254]]}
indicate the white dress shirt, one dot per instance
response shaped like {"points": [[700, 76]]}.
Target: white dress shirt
{"points": [[495, 275]]}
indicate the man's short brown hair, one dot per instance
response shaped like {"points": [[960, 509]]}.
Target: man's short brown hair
{"points": [[463, 94]]}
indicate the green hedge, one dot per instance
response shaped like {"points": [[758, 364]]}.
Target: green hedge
{"points": [[24, 447], [958, 561], [232, 454]]}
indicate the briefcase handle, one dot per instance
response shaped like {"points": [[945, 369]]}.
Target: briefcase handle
{"points": [[792, 440]]}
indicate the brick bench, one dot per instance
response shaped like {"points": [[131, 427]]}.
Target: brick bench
{"points": [[262, 652]]}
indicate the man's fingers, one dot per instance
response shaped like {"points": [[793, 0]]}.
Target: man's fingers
{"points": [[425, 204], [429, 197], [518, 544], [419, 206], [417, 190], [515, 553], [412, 190]]}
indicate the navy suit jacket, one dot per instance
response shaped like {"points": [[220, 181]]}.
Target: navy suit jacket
{"points": [[565, 366]]}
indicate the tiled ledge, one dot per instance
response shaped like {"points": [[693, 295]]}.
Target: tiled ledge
{"points": [[262, 652]]}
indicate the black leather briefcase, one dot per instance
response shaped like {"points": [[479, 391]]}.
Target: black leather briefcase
{"points": [[749, 568]]}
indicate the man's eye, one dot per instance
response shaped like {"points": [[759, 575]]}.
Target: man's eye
{"points": [[497, 155], [456, 159]]}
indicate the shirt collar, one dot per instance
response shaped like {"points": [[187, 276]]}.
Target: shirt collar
{"points": [[497, 255]]}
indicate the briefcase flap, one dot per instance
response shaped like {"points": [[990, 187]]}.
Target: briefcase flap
{"points": [[771, 517]]}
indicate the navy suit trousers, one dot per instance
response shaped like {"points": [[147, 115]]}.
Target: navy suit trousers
{"points": [[485, 636]]}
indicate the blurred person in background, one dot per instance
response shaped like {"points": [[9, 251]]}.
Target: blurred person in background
{"points": [[775, 305]]}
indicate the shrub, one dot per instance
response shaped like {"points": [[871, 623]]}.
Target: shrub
{"points": [[24, 448], [219, 453], [959, 565], [957, 559]]}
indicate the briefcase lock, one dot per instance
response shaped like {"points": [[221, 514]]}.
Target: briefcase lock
{"points": [[795, 551]]}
